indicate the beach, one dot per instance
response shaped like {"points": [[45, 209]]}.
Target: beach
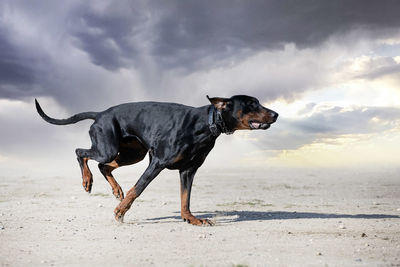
{"points": [[274, 217]]}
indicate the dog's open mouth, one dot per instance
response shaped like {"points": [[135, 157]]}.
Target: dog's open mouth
{"points": [[259, 125]]}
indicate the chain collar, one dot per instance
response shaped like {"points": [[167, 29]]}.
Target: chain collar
{"points": [[216, 123]]}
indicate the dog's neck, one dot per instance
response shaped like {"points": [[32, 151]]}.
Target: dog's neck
{"points": [[216, 122]]}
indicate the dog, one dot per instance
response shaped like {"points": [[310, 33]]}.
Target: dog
{"points": [[175, 136]]}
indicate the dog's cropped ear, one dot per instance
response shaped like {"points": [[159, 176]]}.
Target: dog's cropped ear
{"points": [[219, 103]]}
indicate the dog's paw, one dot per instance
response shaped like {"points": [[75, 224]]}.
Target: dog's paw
{"points": [[118, 193], [118, 215], [207, 222], [199, 222], [87, 184]]}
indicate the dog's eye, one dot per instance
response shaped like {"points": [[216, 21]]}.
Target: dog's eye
{"points": [[253, 104]]}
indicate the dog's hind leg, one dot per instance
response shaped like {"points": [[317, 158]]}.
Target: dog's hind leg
{"points": [[104, 149], [106, 170], [130, 152], [87, 177]]}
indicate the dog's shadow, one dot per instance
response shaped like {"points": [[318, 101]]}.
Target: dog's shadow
{"points": [[222, 217]]}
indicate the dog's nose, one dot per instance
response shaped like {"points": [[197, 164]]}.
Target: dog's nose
{"points": [[274, 115]]}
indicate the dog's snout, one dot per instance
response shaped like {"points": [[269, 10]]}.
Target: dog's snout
{"points": [[273, 115], [270, 115]]}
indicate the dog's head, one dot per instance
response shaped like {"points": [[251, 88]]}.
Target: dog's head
{"points": [[242, 112]]}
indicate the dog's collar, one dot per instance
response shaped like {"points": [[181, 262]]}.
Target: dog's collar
{"points": [[216, 123]]}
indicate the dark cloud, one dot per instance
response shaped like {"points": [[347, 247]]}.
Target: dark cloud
{"points": [[182, 34], [39, 58], [201, 28], [161, 42], [15, 69], [330, 123], [109, 36]]}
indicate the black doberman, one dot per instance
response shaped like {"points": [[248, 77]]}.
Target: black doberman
{"points": [[177, 137]]}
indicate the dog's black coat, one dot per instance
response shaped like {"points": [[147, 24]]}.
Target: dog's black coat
{"points": [[176, 137]]}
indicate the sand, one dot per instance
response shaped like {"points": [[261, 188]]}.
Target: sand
{"points": [[264, 218]]}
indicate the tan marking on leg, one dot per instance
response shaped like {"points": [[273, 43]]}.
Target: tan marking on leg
{"points": [[178, 158], [116, 188], [113, 164], [87, 177], [187, 215], [125, 205], [184, 207]]}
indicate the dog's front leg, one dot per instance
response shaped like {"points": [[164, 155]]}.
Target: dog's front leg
{"points": [[186, 187], [151, 172]]}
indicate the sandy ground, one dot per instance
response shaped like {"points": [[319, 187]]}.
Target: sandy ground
{"points": [[273, 218]]}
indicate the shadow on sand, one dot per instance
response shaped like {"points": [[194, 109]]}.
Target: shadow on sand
{"points": [[240, 216]]}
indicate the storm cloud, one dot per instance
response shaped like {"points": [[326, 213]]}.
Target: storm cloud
{"points": [[182, 35], [160, 43]]}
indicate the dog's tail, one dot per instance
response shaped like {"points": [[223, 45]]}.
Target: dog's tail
{"points": [[71, 120]]}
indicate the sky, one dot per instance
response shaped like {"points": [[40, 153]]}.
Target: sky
{"points": [[331, 69]]}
